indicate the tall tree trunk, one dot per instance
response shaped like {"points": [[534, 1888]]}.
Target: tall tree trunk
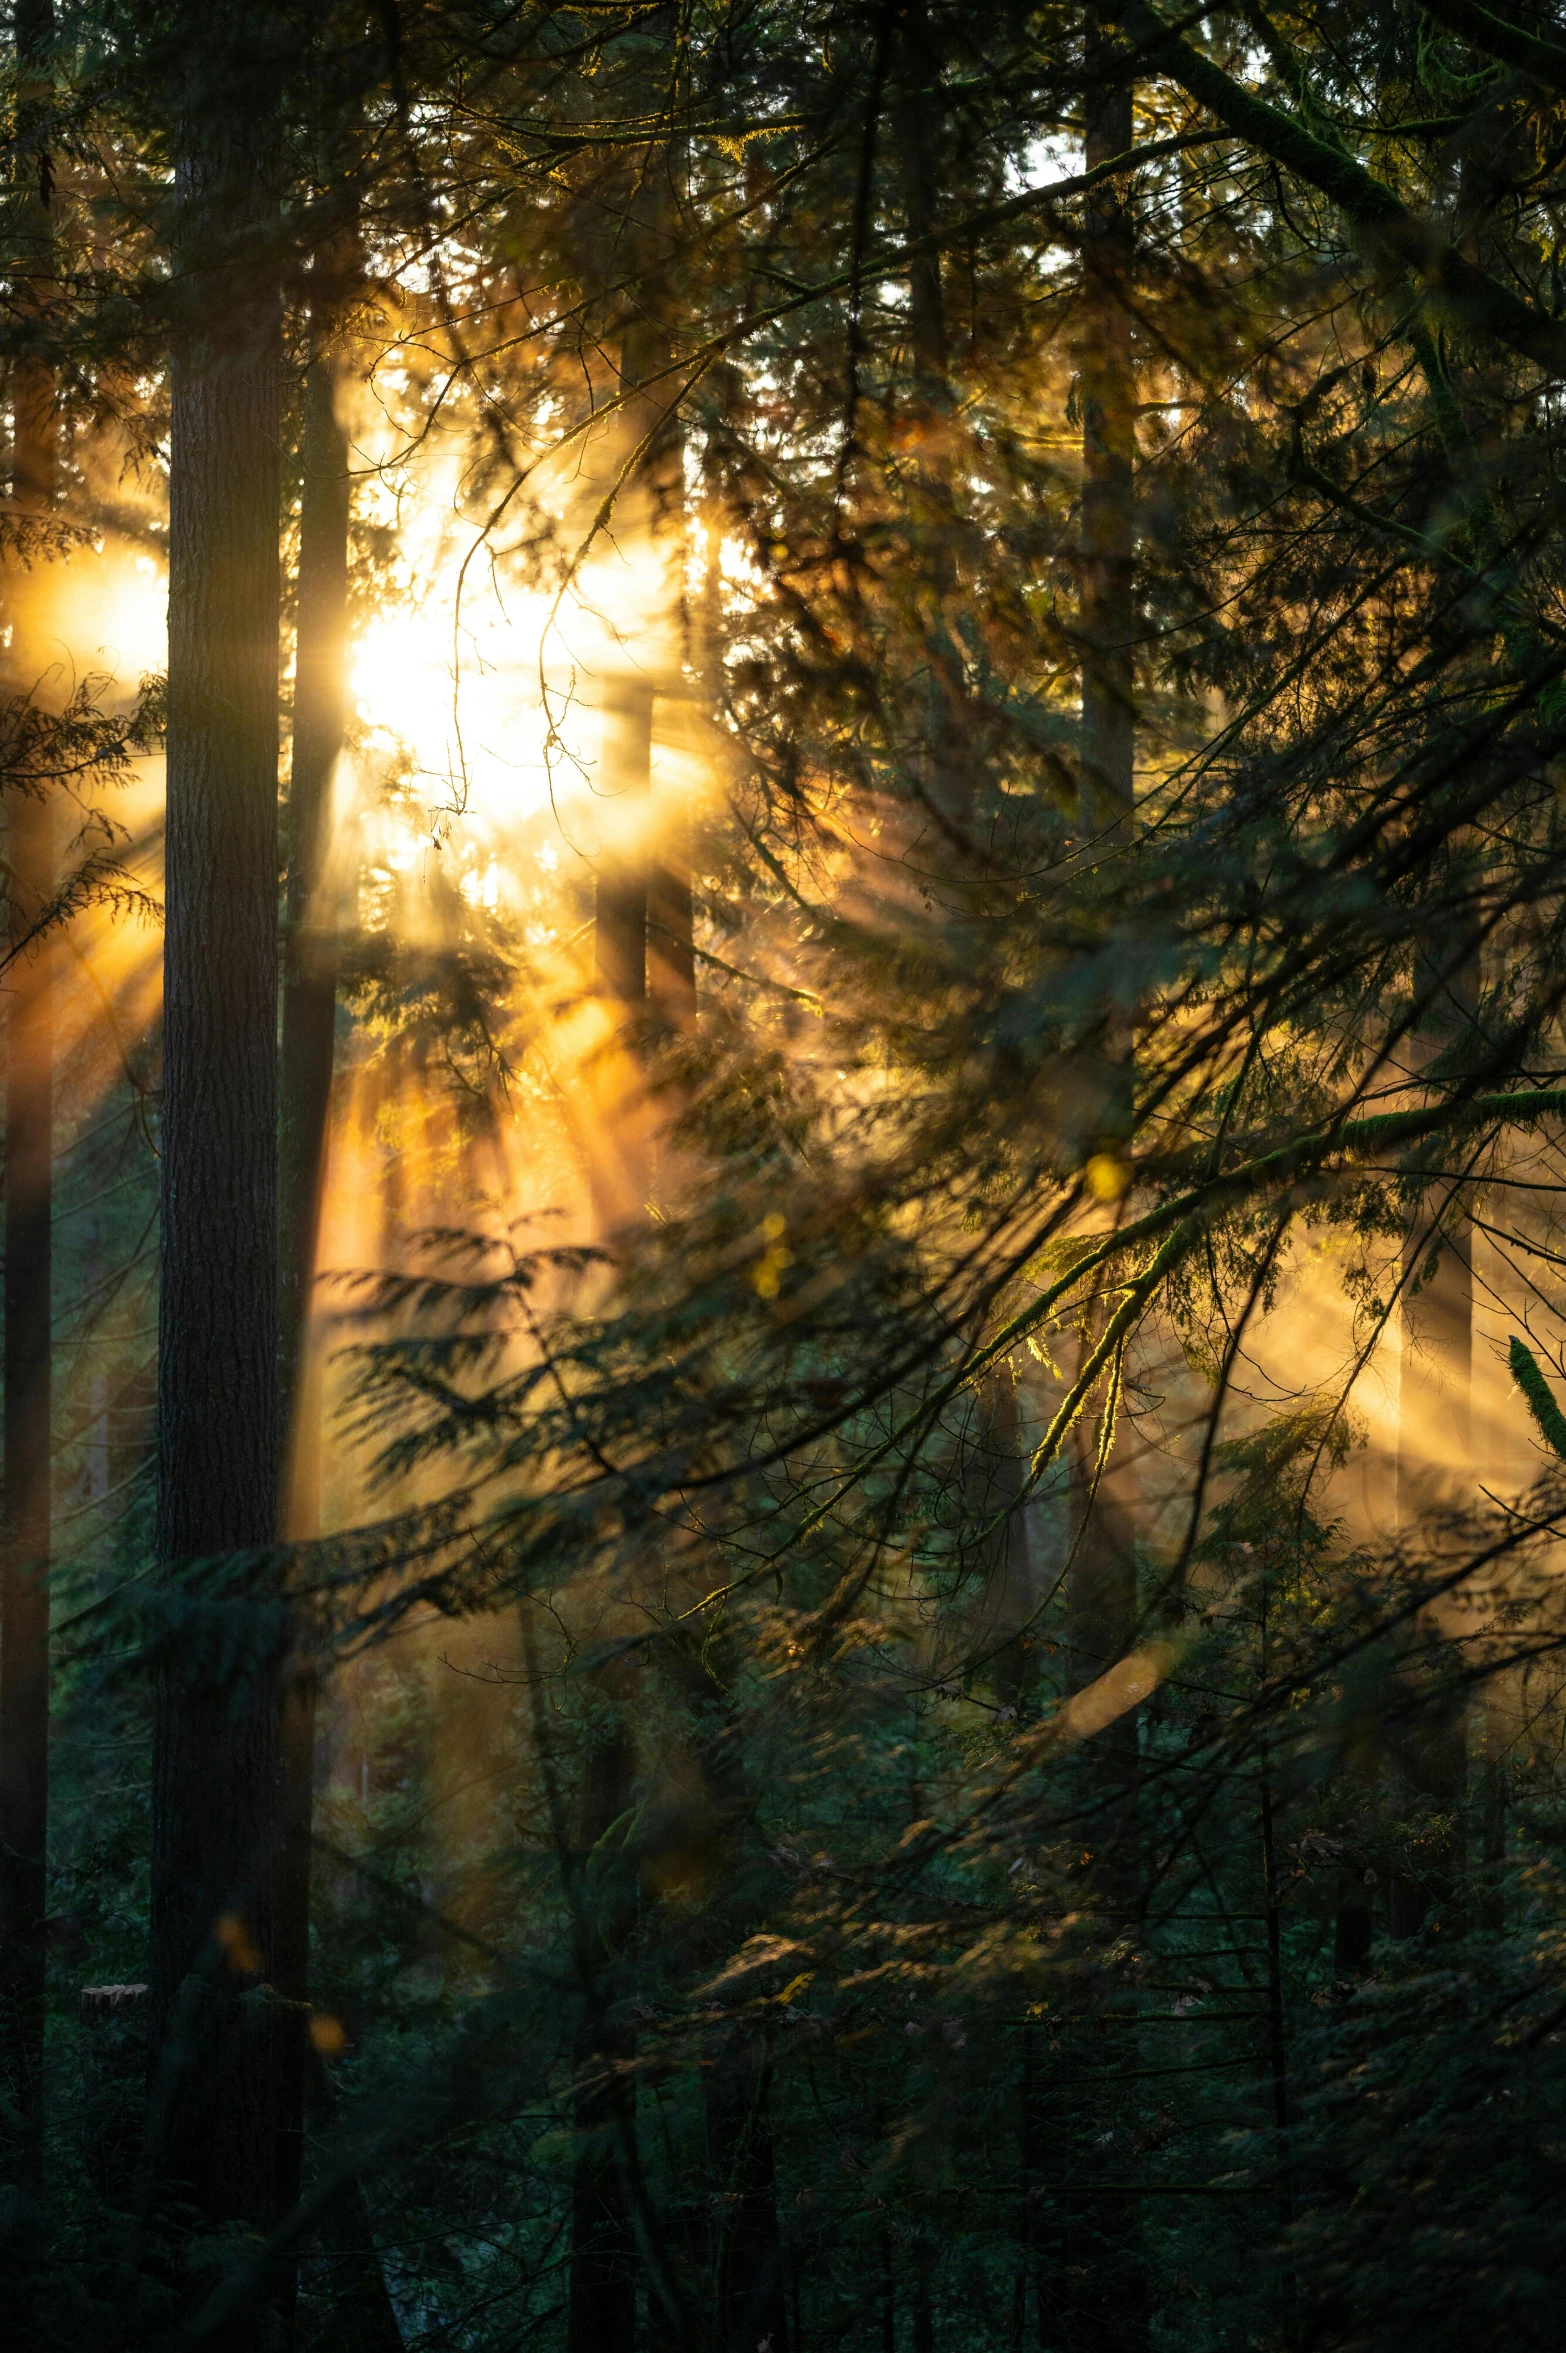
{"points": [[993, 1499], [1498, 1732], [216, 1740], [923, 2297], [642, 926], [305, 1090], [1431, 1469], [643, 963], [749, 2295], [1429, 1748], [28, 1213], [990, 1481], [602, 2291], [309, 939], [363, 2318], [948, 774], [749, 2286], [1106, 390], [602, 2299], [1103, 2299], [1101, 1594], [1435, 1457]]}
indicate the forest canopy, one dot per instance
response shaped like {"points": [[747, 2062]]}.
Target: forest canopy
{"points": [[784, 1215]]}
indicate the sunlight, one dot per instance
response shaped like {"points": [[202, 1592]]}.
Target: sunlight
{"points": [[402, 681], [105, 611]]}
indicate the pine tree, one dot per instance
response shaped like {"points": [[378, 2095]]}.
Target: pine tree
{"points": [[215, 2121]]}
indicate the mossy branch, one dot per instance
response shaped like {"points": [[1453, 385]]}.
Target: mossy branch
{"points": [[1538, 1396]]}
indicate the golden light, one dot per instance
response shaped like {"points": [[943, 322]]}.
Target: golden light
{"points": [[103, 610]]}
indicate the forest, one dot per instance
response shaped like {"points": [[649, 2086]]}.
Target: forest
{"points": [[783, 1209]]}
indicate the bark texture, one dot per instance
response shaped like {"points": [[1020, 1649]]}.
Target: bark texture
{"points": [[216, 1723]]}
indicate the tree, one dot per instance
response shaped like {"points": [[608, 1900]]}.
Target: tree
{"points": [[216, 1740]]}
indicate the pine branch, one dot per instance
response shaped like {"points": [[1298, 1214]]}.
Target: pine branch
{"points": [[1387, 228]]}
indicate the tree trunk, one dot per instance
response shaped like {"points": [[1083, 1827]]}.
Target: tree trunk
{"points": [[1103, 2291], [1106, 391], [601, 2300], [643, 960], [310, 945], [28, 1213], [1435, 1469], [216, 1737], [602, 2295], [1102, 1595], [363, 2317], [305, 1090], [642, 928], [990, 1482], [751, 2305], [1102, 1587], [1497, 1736], [993, 1499], [948, 774]]}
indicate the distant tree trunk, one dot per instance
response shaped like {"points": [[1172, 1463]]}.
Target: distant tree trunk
{"points": [[1435, 1464], [1102, 1595], [923, 2300], [991, 1467], [216, 1744], [28, 1213], [642, 925], [305, 1074], [305, 1091], [643, 963], [671, 924], [1434, 1446], [1103, 2293], [749, 2275], [949, 772], [1106, 391], [309, 939], [993, 1498], [620, 920], [363, 2317], [751, 2305], [1498, 1732], [602, 2293], [1101, 1611]]}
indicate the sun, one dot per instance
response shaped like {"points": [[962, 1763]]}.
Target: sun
{"points": [[464, 702], [401, 678]]}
